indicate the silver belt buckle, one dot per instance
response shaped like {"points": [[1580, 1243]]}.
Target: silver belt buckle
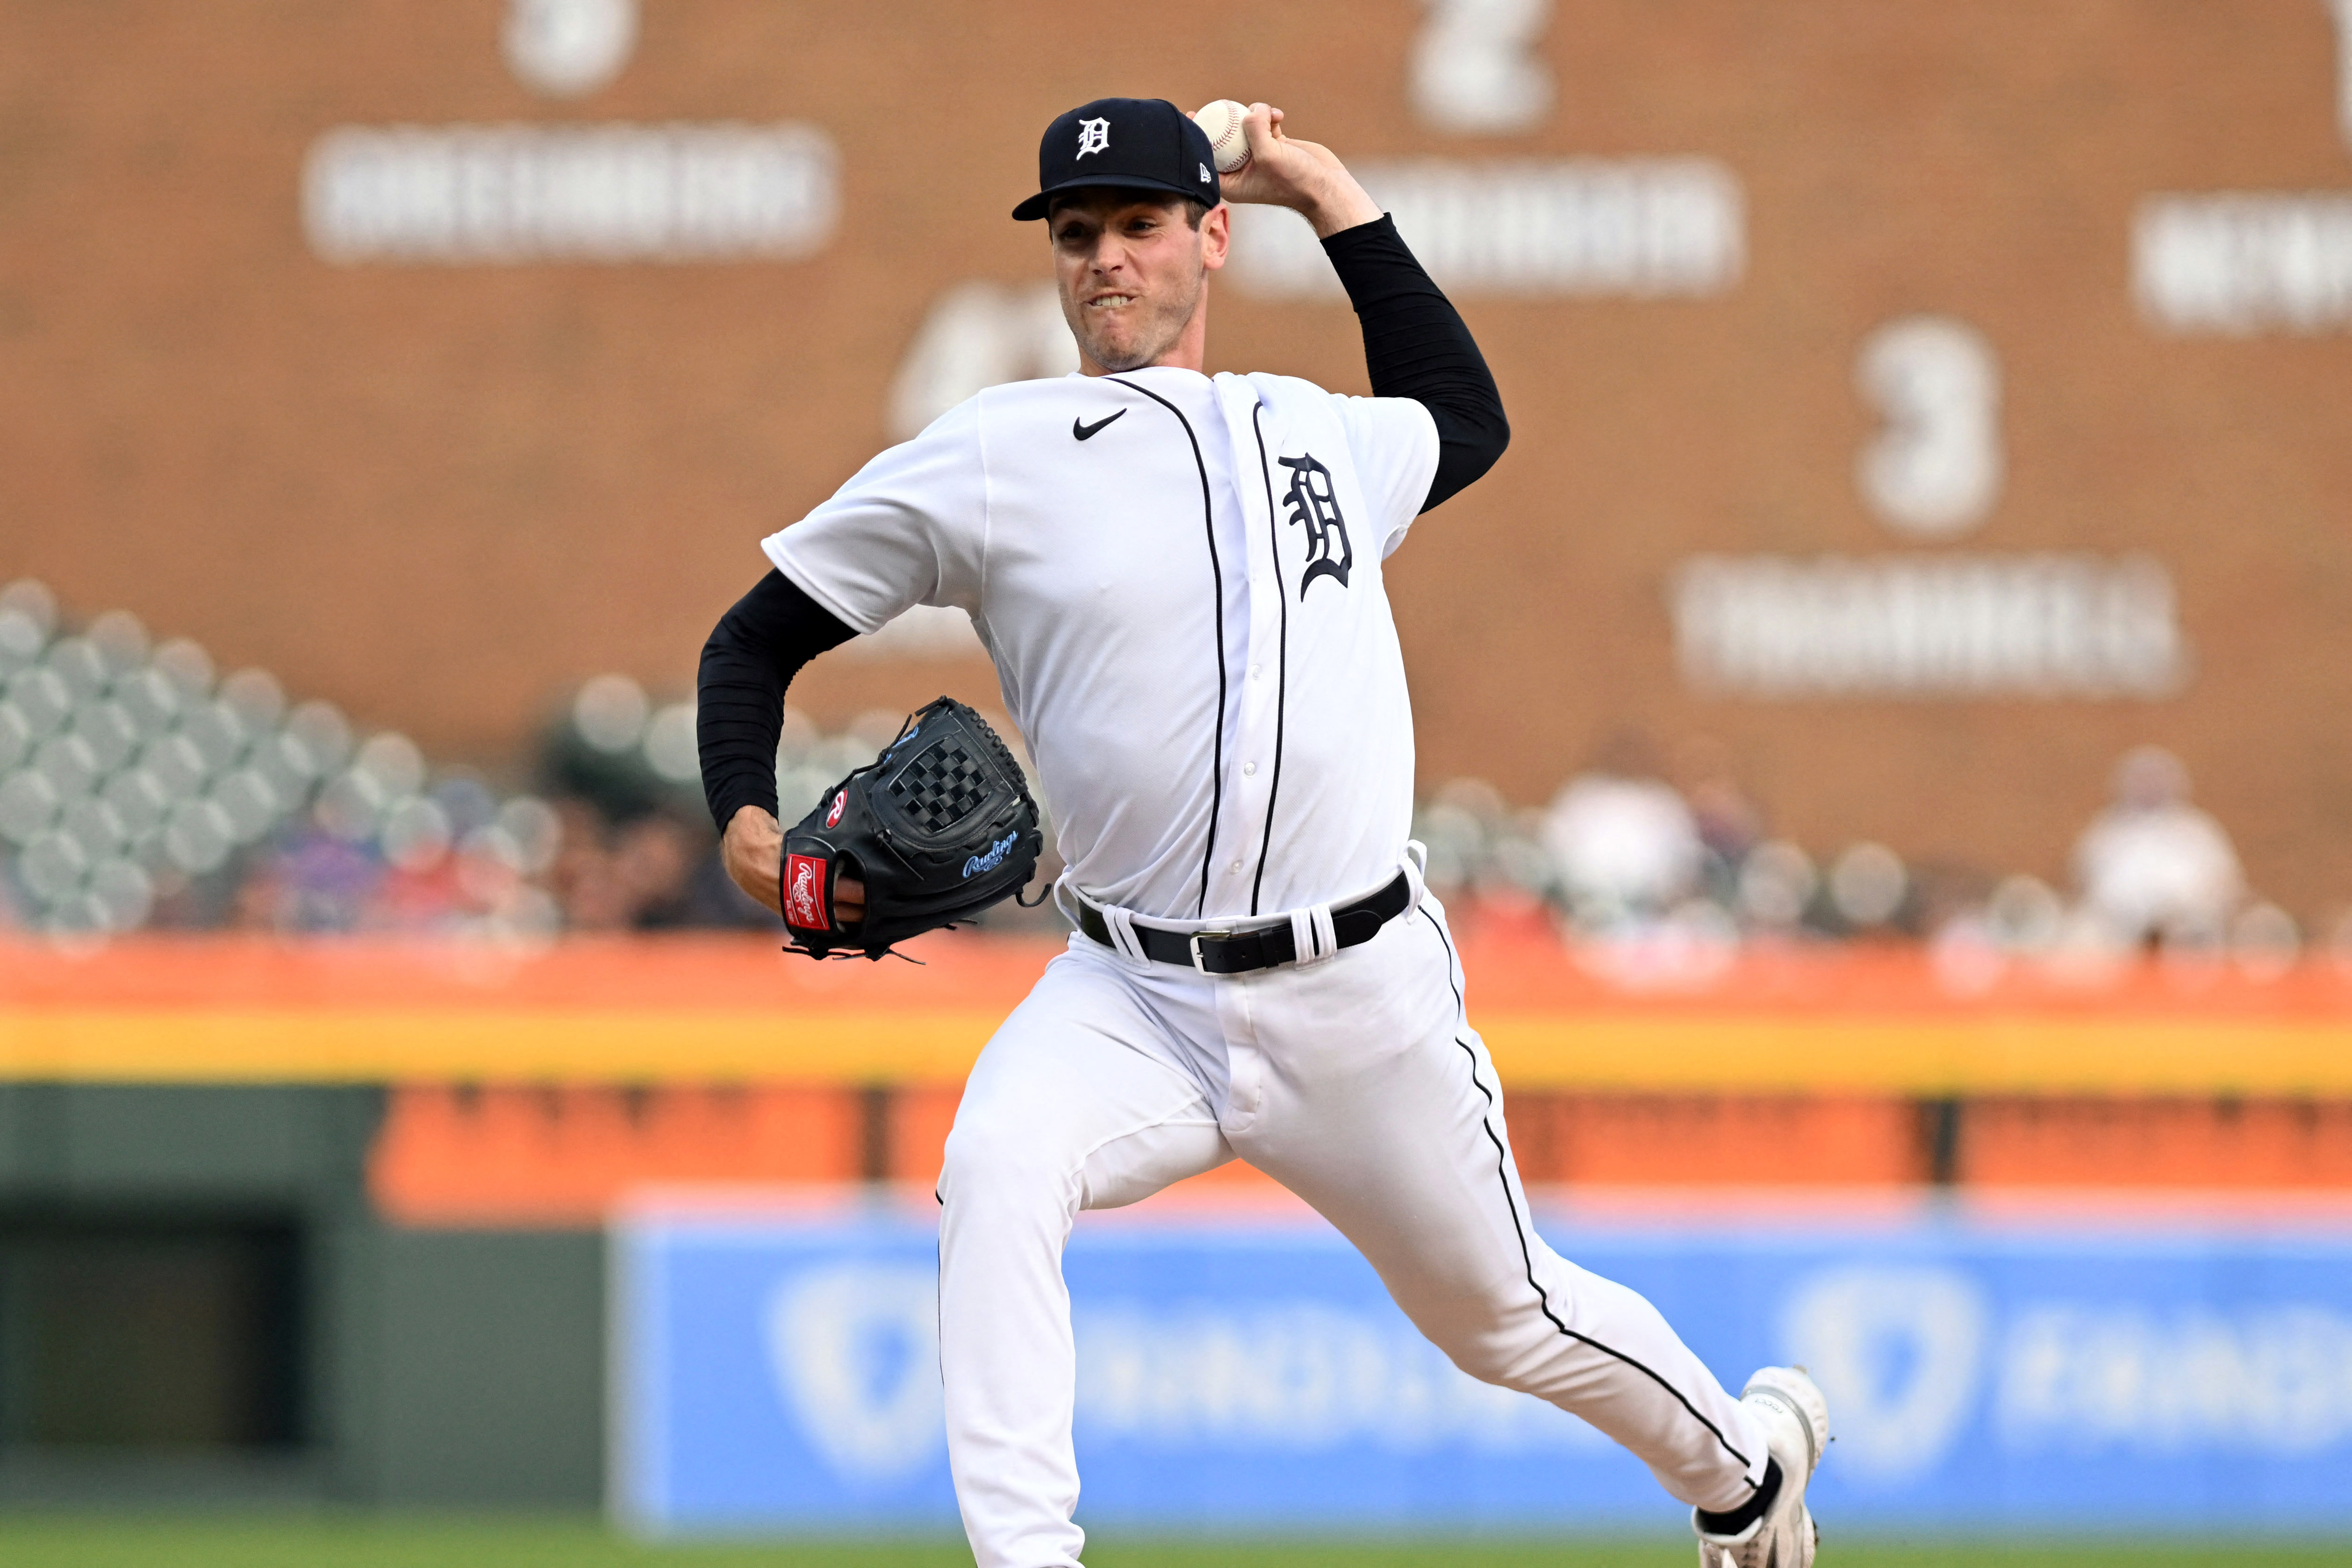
{"points": [[1199, 963]]}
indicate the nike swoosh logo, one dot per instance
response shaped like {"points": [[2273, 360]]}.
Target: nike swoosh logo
{"points": [[1088, 432]]}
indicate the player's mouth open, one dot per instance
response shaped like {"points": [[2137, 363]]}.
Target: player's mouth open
{"points": [[1109, 301]]}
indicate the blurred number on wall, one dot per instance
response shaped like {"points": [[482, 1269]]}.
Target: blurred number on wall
{"points": [[1934, 469], [979, 335], [1476, 69], [565, 49], [976, 335]]}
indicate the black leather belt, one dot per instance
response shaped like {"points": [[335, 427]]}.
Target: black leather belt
{"points": [[1261, 948]]}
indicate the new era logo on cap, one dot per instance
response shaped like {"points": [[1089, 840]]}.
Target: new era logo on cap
{"points": [[1133, 144]]}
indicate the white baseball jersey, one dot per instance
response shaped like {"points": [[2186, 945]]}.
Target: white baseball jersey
{"points": [[1180, 580]]}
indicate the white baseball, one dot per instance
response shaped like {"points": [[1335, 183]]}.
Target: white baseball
{"points": [[1227, 145]]}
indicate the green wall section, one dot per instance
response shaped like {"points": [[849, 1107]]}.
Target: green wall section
{"points": [[198, 1304], [489, 1367]]}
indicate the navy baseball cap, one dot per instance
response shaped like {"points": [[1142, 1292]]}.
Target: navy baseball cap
{"points": [[1141, 143]]}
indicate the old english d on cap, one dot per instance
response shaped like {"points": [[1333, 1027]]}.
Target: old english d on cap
{"points": [[1141, 143]]}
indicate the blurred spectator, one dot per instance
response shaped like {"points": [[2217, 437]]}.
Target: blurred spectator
{"points": [[1729, 823], [1454, 826], [1869, 886], [2024, 915], [316, 882], [595, 751], [587, 886], [712, 899], [653, 858], [2151, 864], [1480, 848], [1777, 884], [1623, 841], [2266, 942]]}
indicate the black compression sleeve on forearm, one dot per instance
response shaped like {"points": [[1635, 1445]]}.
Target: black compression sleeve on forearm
{"points": [[1416, 345], [738, 700]]}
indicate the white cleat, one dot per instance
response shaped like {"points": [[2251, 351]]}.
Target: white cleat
{"points": [[1796, 1422]]}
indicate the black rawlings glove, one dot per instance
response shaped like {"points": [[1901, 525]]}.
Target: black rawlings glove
{"points": [[938, 826]]}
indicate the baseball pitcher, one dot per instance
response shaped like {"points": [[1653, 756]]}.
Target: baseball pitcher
{"points": [[1181, 579]]}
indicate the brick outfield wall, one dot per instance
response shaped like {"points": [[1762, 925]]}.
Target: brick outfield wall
{"points": [[438, 495]]}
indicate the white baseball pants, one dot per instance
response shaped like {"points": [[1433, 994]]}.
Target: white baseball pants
{"points": [[1357, 1085]]}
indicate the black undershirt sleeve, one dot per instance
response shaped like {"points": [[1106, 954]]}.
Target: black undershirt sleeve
{"points": [[1416, 345], [739, 711]]}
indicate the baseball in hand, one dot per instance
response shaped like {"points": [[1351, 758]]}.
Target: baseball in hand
{"points": [[1227, 145]]}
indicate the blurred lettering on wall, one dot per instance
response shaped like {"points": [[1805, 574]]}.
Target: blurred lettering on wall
{"points": [[2245, 262], [591, 192], [1637, 226], [2252, 261], [1928, 626]]}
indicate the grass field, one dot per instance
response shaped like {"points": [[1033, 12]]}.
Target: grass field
{"points": [[44, 1541]]}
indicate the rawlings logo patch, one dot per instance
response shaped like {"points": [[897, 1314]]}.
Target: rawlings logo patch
{"points": [[840, 804], [992, 859], [804, 893]]}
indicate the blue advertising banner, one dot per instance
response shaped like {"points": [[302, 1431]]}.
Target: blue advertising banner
{"points": [[780, 1371]]}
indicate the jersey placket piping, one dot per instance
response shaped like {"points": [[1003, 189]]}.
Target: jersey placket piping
{"points": [[1282, 649], [1217, 578], [1265, 611]]}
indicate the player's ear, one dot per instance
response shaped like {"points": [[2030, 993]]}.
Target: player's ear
{"points": [[1216, 235]]}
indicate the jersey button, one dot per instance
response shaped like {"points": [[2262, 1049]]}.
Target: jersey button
{"points": [[1249, 767], [1256, 671], [1235, 868]]}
